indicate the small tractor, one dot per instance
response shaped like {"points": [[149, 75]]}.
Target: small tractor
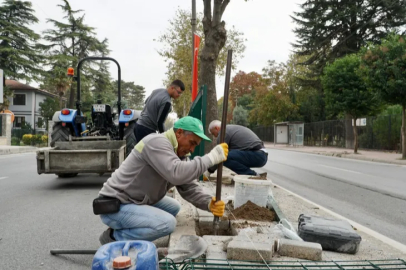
{"points": [[98, 147]]}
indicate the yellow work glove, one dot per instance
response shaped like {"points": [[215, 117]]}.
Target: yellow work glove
{"points": [[206, 176], [218, 154], [217, 208]]}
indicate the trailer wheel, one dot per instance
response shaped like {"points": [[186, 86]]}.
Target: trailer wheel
{"points": [[66, 175], [129, 138], [59, 133]]}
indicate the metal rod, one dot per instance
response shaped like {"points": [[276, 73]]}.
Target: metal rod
{"points": [[73, 251], [193, 23], [223, 134]]}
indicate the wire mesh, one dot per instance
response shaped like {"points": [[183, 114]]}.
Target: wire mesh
{"points": [[197, 264]]}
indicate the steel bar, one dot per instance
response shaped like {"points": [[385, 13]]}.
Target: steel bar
{"points": [[223, 134], [73, 251]]}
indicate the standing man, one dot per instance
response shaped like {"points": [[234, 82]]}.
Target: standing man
{"points": [[157, 107], [246, 149], [156, 164]]}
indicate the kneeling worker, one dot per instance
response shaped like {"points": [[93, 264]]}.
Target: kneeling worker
{"points": [[246, 149], [156, 164]]}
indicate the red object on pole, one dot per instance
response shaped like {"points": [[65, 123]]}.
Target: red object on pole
{"points": [[195, 67]]}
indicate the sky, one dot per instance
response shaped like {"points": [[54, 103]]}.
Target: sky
{"points": [[131, 26]]}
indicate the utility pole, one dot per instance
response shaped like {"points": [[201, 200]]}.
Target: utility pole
{"points": [[193, 23]]}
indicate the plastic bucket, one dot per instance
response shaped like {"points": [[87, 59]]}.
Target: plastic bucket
{"points": [[252, 190], [142, 254]]}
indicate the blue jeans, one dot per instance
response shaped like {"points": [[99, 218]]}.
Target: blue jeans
{"points": [[241, 161], [143, 222]]}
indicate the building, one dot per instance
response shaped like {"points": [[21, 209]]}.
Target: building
{"points": [[25, 104]]}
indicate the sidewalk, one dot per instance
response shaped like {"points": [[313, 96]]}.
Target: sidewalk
{"points": [[7, 149], [367, 155]]}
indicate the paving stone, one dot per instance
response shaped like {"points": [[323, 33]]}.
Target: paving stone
{"points": [[247, 250], [217, 246], [162, 242], [299, 249]]}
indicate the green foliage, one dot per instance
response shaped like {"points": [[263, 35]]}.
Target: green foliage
{"points": [[69, 41], [15, 141], [131, 93], [240, 116], [327, 30], [346, 91], [383, 67], [6, 103], [177, 53], [47, 108], [19, 54]]}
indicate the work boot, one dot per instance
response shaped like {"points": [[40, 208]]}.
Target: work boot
{"points": [[107, 237]]}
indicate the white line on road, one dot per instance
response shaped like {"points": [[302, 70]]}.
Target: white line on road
{"points": [[4, 177], [340, 169]]}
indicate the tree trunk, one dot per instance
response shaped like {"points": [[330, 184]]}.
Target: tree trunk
{"points": [[349, 134], [403, 132], [215, 36], [354, 128]]}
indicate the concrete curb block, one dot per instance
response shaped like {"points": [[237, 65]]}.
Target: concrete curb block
{"points": [[17, 150], [338, 155], [399, 246]]}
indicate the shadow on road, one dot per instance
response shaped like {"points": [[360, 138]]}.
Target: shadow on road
{"points": [[80, 182]]}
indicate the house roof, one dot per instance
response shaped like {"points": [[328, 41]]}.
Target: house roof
{"points": [[15, 85]]}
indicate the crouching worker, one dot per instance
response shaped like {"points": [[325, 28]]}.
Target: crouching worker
{"points": [[139, 209], [246, 149]]}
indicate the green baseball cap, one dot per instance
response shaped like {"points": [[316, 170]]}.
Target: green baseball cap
{"points": [[192, 124]]}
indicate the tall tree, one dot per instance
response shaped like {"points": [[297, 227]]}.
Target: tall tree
{"points": [[243, 85], [19, 54], [176, 52], [329, 29], [215, 37], [240, 116], [47, 108], [384, 68], [347, 93], [72, 39], [132, 93]]}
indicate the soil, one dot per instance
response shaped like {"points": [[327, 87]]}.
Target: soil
{"points": [[257, 178], [251, 211]]}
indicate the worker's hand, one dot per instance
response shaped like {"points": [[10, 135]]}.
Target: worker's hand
{"points": [[218, 154], [206, 176], [217, 208]]}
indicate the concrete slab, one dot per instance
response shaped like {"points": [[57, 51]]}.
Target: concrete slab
{"points": [[299, 249], [249, 250], [217, 246], [188, 246], [162, 242]]}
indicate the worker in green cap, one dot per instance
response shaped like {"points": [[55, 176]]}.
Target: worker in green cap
{"points": [[157, 163]]}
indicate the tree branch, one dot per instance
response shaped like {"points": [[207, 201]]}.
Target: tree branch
{"points": [[223, 7], [207, 9], [217, 12]]}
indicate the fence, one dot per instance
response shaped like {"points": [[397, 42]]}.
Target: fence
{"points": [[378, 132]]}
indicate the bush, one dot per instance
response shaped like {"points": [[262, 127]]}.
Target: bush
{"points": [[44, 139], [15, 141], [27, 139]]}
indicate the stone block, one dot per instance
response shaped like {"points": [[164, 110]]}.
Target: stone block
{"points": [[249, 250], [299, 249], [217, 246]]}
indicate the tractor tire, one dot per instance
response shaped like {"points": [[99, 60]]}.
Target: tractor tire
{"points": [[59, 134], [66, 175], [129, 138]]}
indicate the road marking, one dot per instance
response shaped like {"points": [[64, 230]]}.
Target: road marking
{"points": [[359, 227], [340, 169], [4, 177]]}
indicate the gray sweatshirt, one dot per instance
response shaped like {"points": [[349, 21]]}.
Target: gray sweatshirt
{"points": [[152, 168], [157, 107]]}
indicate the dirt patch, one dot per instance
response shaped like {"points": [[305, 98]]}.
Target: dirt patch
{"points": [[257, 178], [251, 211]]}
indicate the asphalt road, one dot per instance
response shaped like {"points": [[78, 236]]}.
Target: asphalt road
{"points": [[42, 212], [372, 194]]}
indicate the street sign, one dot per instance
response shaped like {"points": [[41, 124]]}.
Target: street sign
{"points": [[360, 122], [1, 85]]}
